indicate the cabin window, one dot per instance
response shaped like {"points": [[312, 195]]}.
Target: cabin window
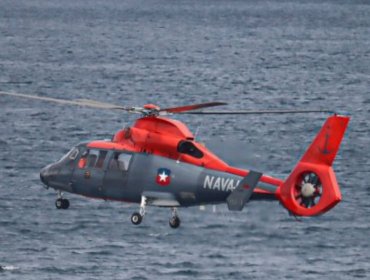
{"points": [[120, 161], [187, 147]]}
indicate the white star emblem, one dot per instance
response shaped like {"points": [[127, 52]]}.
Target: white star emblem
{"points": [[163, 177]]}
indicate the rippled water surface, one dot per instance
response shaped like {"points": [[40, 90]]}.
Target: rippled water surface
{"points": [[253, 54]]}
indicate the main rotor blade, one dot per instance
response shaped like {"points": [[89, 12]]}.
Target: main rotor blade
{"points": [[260, 112], [182, 109], [191, 107], [78, 102]]}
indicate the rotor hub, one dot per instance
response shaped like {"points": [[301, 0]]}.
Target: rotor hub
{"points": [[151, 107], [308, 190]]}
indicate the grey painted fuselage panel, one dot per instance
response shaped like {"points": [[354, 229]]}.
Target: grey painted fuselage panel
{"points": [[164, 181]]}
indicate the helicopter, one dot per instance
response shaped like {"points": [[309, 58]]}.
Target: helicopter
{"points": [[157, 162]]}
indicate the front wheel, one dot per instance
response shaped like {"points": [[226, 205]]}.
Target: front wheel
{"points": [[136, 218], [65, 203], [174, 222]]}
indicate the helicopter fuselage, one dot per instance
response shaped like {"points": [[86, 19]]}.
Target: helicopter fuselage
{"points": [[122, 175], [157, 157]]}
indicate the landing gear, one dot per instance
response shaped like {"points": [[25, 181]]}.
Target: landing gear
{"points": [[174, 220], [61, 203], [136, 218]]}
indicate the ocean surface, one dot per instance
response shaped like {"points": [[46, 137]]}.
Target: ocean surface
{"points": [[252, 54]]}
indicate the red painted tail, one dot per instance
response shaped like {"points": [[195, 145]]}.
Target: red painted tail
{"points": [[312, 189]]}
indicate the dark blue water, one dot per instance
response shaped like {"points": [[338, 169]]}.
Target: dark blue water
{"points": [[253, 54]]}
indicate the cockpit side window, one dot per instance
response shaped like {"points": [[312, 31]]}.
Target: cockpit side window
{"points": [[92, 157], [120, 161], [83, 159]]}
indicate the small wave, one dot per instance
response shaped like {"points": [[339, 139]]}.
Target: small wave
{"points": [[7, 267], [40, 114], [216, 256], [215, 226], [159, 234]]}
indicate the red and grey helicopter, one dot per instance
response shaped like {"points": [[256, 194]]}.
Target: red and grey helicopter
{"points": [[157, 162]]}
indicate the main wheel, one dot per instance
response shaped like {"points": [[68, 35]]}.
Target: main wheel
{"points": [[62, 203], [65, 203], [136, 218], [174, 222]]}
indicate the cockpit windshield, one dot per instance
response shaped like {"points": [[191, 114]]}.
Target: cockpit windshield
{"points": [[71, 155]]}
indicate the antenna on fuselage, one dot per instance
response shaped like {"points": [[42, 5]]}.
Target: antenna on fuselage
{"points": [[198, 129]]}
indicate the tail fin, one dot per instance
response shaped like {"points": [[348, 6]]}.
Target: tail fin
{"points": [[312, 189]]}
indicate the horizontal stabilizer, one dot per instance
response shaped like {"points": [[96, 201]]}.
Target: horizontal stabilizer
{"points": [[243, 192]]}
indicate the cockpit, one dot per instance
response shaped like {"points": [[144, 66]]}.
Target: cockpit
{"points": [[82, 159]]}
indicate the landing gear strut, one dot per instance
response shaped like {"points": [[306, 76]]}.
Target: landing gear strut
{"points": [[174, 220], [61, 203], [137, 217]]}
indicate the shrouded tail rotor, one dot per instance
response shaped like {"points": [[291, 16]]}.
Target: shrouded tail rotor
{"points": [[312, 189], [308, 189]]}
